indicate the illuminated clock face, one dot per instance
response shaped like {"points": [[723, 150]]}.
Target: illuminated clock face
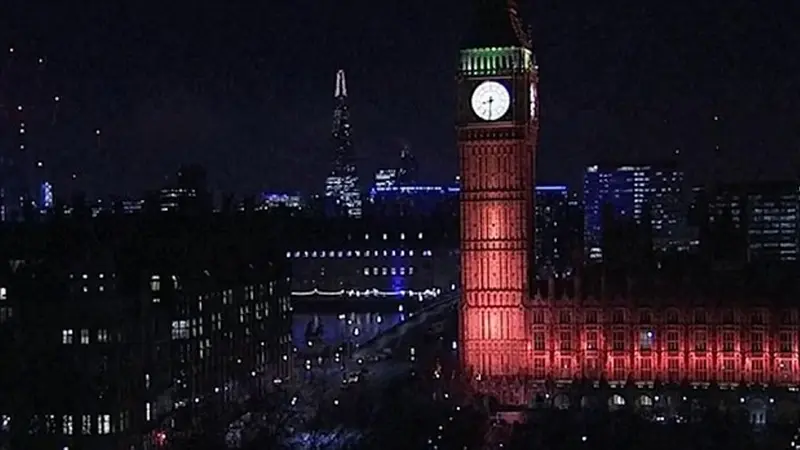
{"points": [[533, 101], [490, 100]]}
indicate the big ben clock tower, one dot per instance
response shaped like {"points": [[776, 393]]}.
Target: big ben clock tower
{"points": [[497, 133]]}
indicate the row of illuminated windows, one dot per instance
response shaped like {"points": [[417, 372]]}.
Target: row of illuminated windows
{"points": [[184, 329], [85, 424], [700, 368], [621, 316], [385, 271], [227, 294], [85, 276], [262, 311], [356, 253], [647, 341], [68, 336]]}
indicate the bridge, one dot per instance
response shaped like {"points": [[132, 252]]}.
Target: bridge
{"points": [[391, 337]]}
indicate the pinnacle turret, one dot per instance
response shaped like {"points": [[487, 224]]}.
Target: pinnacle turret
{"points": [[496, 23]]}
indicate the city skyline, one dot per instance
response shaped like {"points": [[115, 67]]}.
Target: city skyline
{"points": [[616, 84]]}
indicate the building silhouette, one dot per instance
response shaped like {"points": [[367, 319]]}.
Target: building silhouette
{"points": [[342, 191], [129, 331], [633, 191]]}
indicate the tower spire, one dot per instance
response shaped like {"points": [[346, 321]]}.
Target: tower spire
{"points": [[341, 86], [341, 186], [496, 23]]}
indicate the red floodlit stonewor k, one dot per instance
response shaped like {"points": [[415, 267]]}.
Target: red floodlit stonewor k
{"points": [[514, 337], [497, 134]]}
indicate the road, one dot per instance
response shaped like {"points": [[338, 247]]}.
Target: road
{"points": [[327, 385]]}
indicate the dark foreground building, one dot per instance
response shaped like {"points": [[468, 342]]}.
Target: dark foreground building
{"points": [[129, 335]]}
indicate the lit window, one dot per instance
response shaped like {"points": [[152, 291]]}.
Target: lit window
{"points": [[3, 293], [104, 424], [86, 424], [102, 335], [402, 236], [155, 283], [366, 271], [84, 336], [66, 336], [180, 329], [419, 236], [66, 422]]}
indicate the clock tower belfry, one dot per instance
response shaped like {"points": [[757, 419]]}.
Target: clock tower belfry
{"points": [[497, 133]]}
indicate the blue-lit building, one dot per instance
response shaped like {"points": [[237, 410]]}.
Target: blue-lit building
{"points": [[46, 201], [400, 200], [378, 261], [354, 278], [642, 193], [385, 178], [287, 202]]}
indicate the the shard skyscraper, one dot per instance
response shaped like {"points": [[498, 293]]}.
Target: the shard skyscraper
{"points": [[342, 193]]}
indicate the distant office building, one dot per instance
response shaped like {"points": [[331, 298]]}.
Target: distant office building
{"points": [[342, 193], [385, 178], [129, 206], [289, 202], [405, 174], [46, 196], [189, 192], [407, 170], [382, 260], [767, 213], [554, 231], [645, 192], [412, 200]]}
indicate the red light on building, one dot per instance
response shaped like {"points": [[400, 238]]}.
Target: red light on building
{"points": [[160, 438], [497, 132], [667, 342]]}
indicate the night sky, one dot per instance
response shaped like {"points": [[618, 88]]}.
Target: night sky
{"points": [[245, 87]]}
